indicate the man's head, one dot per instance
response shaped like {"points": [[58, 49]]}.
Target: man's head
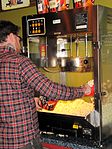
{"points": [[9, 35]]}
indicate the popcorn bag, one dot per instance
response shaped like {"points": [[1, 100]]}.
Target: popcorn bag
{"points": [[58, 5], [47, 104], [89, 88], [42, 6]]}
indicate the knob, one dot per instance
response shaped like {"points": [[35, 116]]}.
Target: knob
{"points": [[85, 61]]}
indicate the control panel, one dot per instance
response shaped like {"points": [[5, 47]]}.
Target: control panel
{"points": [[81, 21], [36, 26]]}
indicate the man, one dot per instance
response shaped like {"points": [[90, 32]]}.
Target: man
{"points": [[19, 79]]}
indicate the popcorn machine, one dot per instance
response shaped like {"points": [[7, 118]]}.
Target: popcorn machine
{"points": [[72, 47]]}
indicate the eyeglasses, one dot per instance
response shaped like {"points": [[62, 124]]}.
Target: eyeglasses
{"points": [[19, 37]]}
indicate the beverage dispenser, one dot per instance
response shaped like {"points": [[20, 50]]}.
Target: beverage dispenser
{"points": [[72, 47]]}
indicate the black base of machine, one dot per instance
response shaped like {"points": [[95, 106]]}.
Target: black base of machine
{"points": [[67, 125]]}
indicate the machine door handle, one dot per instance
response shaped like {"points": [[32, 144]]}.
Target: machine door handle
{"points": [[103, 93]]}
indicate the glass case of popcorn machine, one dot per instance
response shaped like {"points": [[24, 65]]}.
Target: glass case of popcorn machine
{"points": [[73, 47]]}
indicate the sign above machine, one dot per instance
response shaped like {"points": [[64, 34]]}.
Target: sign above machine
{"points": [[60, 23]]}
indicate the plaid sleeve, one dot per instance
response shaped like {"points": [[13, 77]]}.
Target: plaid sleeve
{"points": [[46, 87]]}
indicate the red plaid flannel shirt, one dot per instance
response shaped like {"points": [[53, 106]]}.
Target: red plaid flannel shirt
{"points": [[19, 77]]}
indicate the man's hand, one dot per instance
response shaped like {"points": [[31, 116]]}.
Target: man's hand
{"points": [[38, 103]]}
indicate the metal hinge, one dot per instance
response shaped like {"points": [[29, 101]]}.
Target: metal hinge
{"points": [[96, 45]]}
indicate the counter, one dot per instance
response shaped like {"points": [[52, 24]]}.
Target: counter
{"points": [[67, 142], [70, 143]]}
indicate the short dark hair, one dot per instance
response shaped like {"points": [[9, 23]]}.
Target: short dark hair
{"points": [[7, 27]]}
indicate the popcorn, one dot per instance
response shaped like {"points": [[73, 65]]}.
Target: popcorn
{"points": [[91, 83], [77, 107]]}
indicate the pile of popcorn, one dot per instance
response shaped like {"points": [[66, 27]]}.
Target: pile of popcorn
{"points": [[78, 107]]}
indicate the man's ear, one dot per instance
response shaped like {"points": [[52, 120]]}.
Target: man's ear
{"points": [[10, 38]]}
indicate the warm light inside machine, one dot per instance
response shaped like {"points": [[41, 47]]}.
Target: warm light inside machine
{"points": [[54, 62], [61, 47], [77, 61]]}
